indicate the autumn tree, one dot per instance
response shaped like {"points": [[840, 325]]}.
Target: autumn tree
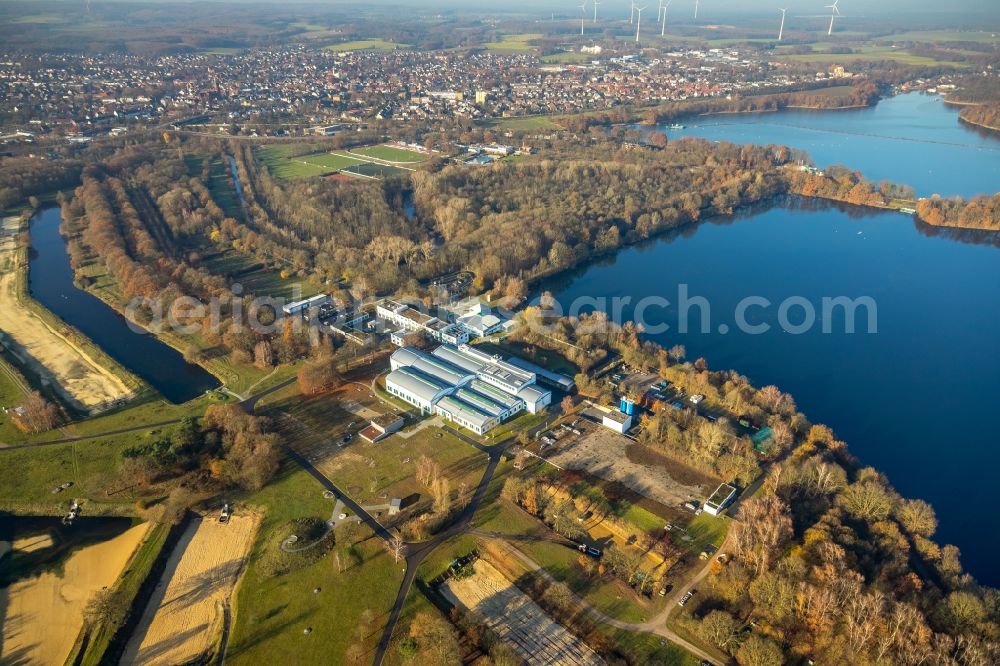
{"points": [[36, 414], [764, 525], [318, 376]]}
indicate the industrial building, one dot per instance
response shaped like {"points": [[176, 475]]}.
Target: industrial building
{"points": [[301, 307], [465, 385]]}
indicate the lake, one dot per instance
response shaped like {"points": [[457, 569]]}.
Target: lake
{"points": [[914, 139], [51, 284], [913, 400]]}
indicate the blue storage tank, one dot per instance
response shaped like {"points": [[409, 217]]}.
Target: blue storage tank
{"points": [[627, 407]]}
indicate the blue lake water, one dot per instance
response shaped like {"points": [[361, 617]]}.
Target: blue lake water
{"points": [[915, 400], [913, 139], [51, 284]]}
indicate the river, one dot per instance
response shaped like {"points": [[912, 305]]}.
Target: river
{"points": [[51, 284], [913, 400], [913, 139]]}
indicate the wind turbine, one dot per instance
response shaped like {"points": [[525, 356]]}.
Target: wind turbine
{"points": [[663, 25], [583, 19], [595, 10], [631, 16], [696, 8], [638, 23], [781, 30], [834, 13]]}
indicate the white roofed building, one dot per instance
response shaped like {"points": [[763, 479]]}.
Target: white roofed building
{"points": [[465, 385]]}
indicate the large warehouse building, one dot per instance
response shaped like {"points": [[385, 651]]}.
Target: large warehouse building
{"points": [[464, 385]]}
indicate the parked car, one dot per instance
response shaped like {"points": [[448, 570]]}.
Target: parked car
{"points": [[686, 598]]}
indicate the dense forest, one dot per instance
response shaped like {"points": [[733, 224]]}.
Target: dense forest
{"points": [[822, 96], [982, 212], [984, 115], [141, 218], [829, 563]]}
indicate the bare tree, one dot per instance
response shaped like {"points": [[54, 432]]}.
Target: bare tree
{"points": [[396, 547]]}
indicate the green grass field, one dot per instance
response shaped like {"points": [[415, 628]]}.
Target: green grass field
{"points": [[331, 162], [220, 185], [280, 161], [702, 531], [373, 473], [270, 613], [257, 278], [869, 53], [283, 163], [391, 154], [11, 395], [515, 43], [374, 170], [566, 57], [365, 45], [978, 36], [526, 124]]}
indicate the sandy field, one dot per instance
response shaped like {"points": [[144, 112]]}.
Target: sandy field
{"points": [[84, 382], [184, 616], [42, 616], [518, 620], [601, 452], [32, 543]]}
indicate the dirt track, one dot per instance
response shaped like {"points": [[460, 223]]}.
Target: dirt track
{"points": [[184, 616], [79, 378], [602, 453], [42, 616]]}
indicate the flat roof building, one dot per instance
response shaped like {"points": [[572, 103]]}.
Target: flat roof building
{"points": [[468, 386], [720, 499]]}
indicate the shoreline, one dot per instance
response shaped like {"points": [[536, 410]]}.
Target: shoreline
{"points": [[104, 297], [86, 349]]}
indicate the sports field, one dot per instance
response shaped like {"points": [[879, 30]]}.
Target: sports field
{"points": [[514, 42], [377, 161], [365, 45], [391, 154]]}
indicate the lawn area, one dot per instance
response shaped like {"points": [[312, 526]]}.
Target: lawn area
{"points": [[609, 595], [257, 278], [220, 50], [374, 170], [514, 42], [331, 161], [374, 473], [702, 531], [649, 649], [391, 154], [979, 36], [27, 476], [271, 612], [568, 57], [11, 395], [548, 359], [365, 45], [283, 161], [870, 53], [220, 185], [526, 124]]}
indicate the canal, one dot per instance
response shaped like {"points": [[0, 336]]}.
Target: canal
{"points": [[51, 284]]}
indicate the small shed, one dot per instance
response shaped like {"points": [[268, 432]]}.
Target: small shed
{"points": [[381, 427]]}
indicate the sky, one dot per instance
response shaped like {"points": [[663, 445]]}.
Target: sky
{"points": [[708, 8]]}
